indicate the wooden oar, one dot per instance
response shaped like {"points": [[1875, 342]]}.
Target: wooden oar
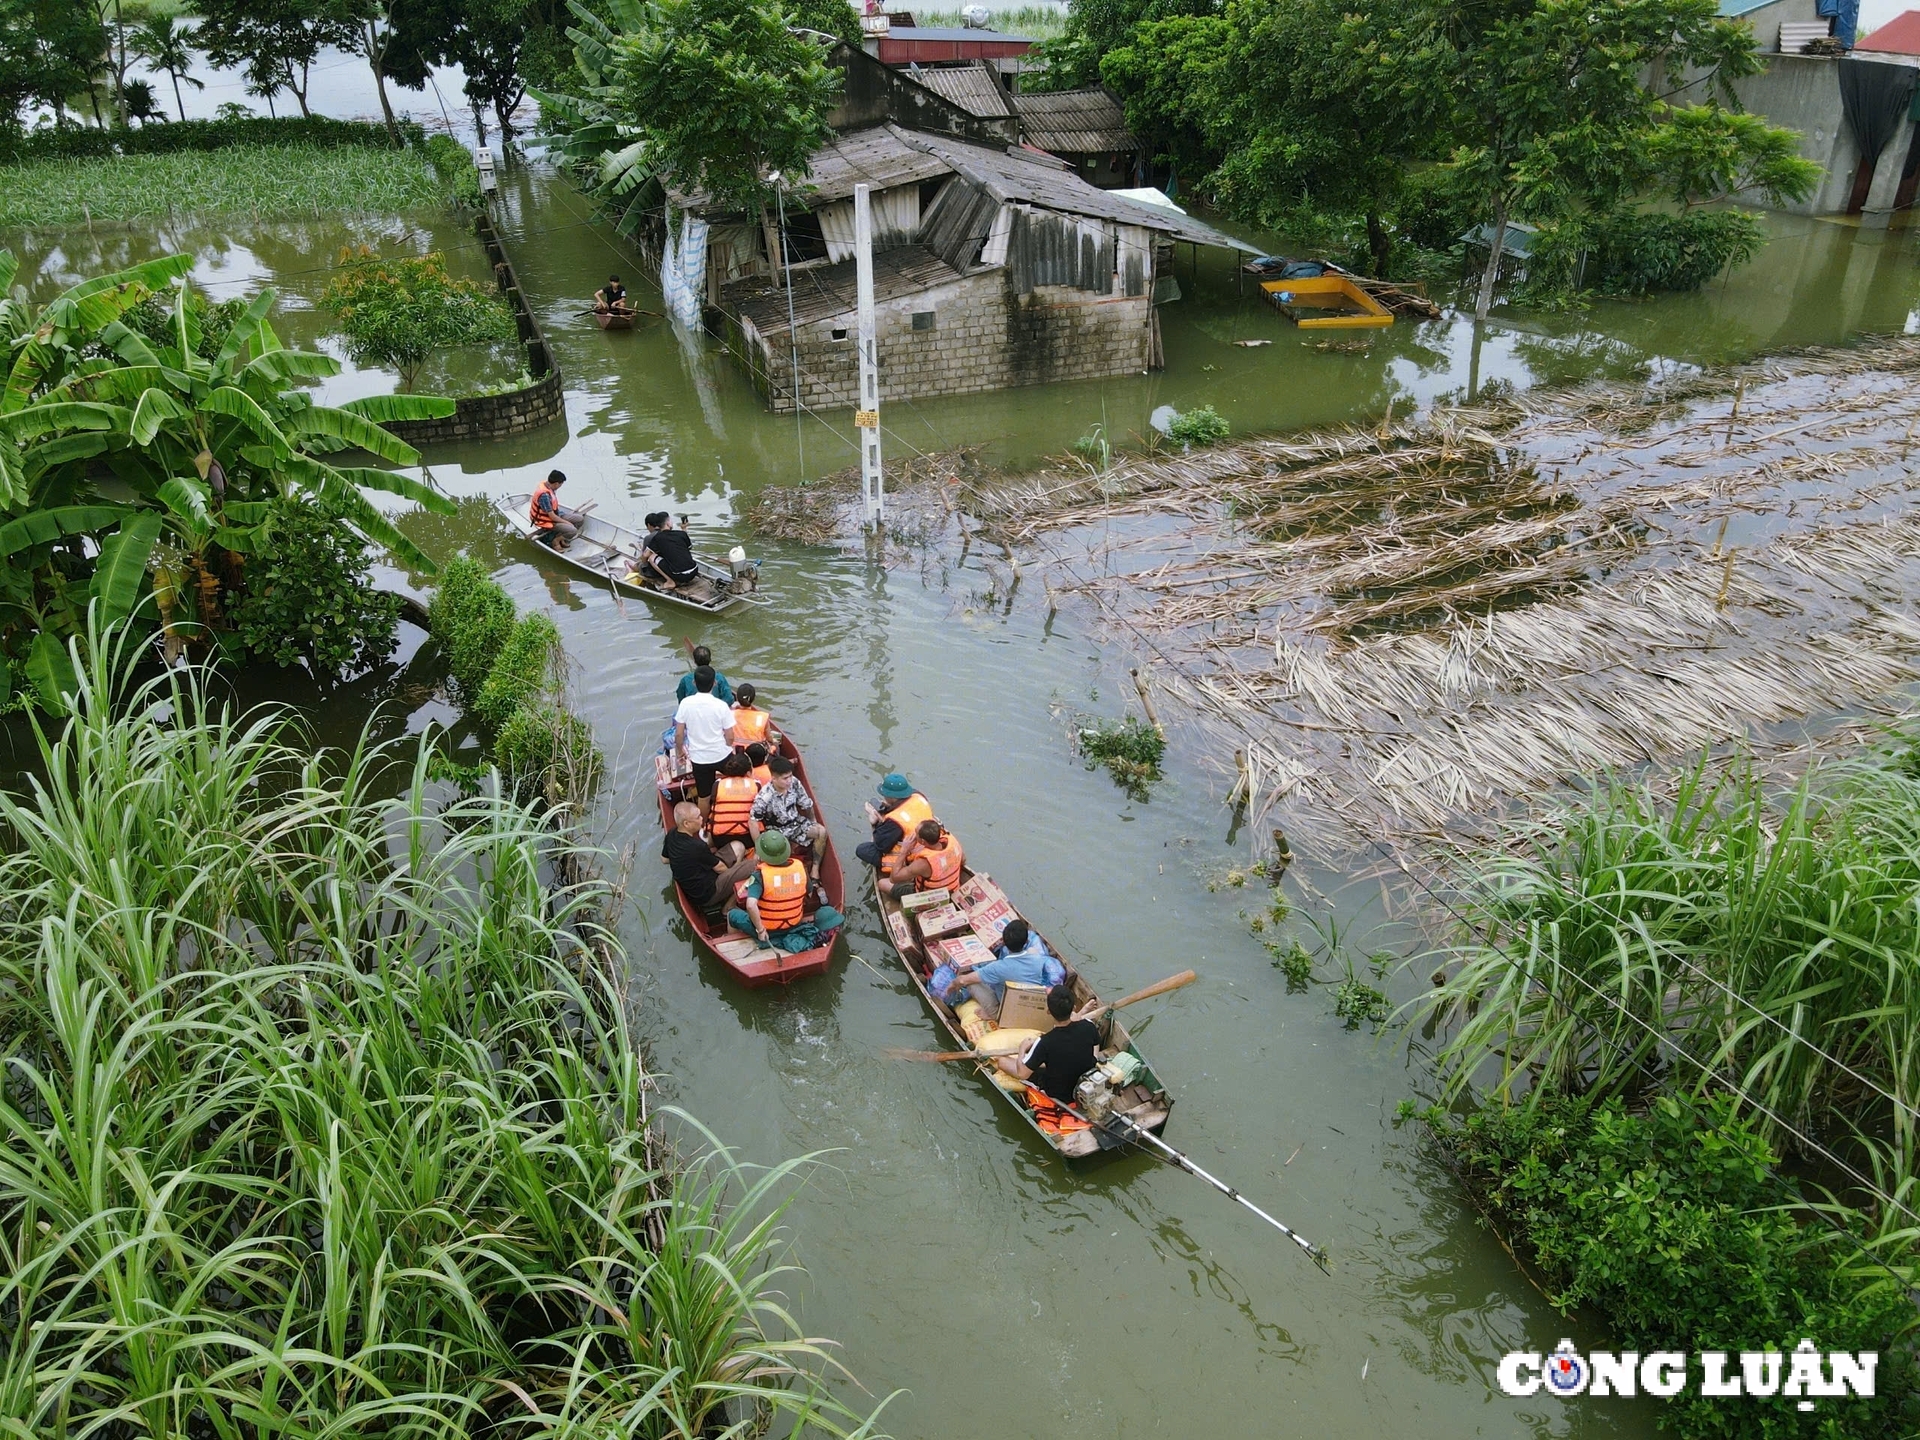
{"points": [[1172, 982]]}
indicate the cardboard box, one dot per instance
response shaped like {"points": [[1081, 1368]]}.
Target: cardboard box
{"points": [[979, 890], [1025, 1007], [961, 952], [990, 919], [923, 900], [942, 920], [901, 932], [666, 777]]}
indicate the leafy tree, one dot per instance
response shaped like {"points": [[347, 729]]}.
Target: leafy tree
{"points": [[1543, 102], [386, 32], [274, 41], [401, 312], [1702, 152], [1097, 27], [49, 50], [141, 103], [488, 40], [837, 18], [167, 47], [310, 598], [710, 96], [201, 449]]}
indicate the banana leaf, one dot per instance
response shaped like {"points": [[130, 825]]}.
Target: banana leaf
{"points": [[121, 569], [43, 527]]}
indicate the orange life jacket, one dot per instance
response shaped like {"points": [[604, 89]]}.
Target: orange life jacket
{"points": [[733, 797], [943, 862], [1051, 1116], [763, 774], [542, 519], [907, 815], [783, 895], [750, 725]]}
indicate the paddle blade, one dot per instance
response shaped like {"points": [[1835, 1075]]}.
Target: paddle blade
{"points": [[902, 1052], [1172, 982]]}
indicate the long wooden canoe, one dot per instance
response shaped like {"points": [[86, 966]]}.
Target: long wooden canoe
{"points": [[606, 552], [751, 963], [1145, 1102]]}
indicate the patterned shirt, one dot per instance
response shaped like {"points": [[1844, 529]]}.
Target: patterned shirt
{"points": [[791, 814]]}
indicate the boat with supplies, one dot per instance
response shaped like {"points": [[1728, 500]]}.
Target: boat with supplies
{"points": [[931, 929], [609, 553], [752, 963]]}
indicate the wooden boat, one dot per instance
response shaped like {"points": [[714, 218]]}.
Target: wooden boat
{"points": [[1146, 1102], [608, 320], [606, 552], [751, 963], [1326, 302]]}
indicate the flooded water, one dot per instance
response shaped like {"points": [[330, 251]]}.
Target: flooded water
{"points": [[950, 1255]]}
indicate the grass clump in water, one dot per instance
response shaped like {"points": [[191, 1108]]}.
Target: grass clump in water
{"points": [[1294, 961], [1131, 749], [367, 1069], [1203, 426], [266, 182], [1358, 1003], [472, 618], [524, 668]]}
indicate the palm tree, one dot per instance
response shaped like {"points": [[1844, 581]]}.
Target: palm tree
{"points": [[164, 45]]}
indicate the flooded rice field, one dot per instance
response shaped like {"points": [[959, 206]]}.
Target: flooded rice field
{"points": [[946, 1251]]}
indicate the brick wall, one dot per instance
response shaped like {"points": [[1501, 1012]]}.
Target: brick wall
{"points": [[983, 336], [514, 412]]}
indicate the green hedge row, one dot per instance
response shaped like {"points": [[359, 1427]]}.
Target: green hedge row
{"points": [[83, 143]]}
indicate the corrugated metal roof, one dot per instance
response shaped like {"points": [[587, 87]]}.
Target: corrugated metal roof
{"points": [[1040, 181], [972, 87], [948, 32], [829, 292], [876, 157], [1074, 122]]}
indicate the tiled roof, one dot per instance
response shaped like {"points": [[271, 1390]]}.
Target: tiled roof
{"points": [[1899, 36]]}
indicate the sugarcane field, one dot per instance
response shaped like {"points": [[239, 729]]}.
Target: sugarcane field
{"points": [[698, 694]]}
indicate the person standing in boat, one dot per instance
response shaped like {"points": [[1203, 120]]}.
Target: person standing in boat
{"points": [[553, 523], [703, 735], [611, 298], [703, 656], [901, 810], [667, 554]]}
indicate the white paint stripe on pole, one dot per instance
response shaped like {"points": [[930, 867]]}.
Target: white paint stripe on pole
{"points": [[867, 419]]}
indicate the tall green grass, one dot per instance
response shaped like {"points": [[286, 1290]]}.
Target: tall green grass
{"points": [[320, 1115], [1036, 22], [1721, 938], [265, 182]]}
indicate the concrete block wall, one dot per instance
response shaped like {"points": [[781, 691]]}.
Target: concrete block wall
{"points": [[983, 337], [513, 412]]}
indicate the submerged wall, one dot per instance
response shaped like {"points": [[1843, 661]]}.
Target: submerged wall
{"points": [[976, 334], [512, 412]]}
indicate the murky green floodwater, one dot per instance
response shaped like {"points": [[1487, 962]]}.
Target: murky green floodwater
{"points": [[945, 1250]]}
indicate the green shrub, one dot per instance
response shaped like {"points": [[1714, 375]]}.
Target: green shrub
{"points": [[1131, 750], [1642, 252], [310, 597], [1432, 211], [453, 163], [1294, 961], [1666, 1224], [522, 670], [398, 312], [152, 319], [1198, 427], [543, 747], [472, 619], [78, 142]]}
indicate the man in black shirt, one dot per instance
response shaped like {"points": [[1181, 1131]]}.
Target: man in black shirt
{"points": [[668, 553], [1065, 1053], [707, 879]]}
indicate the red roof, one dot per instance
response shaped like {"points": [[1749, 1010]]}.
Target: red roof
{"points": [[1899, 36]]}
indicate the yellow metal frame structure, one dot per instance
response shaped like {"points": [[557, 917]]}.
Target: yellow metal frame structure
{"points": [[1354, 308]]}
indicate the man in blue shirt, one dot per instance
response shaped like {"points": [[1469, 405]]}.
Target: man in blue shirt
{"points": [[703, 656], [1021, 955]]}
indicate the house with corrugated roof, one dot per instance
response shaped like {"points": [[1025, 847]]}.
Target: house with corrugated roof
{"points": [[1087, 129], [994, 266]]}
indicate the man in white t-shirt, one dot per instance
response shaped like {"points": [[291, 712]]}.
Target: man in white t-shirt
{"points": [[703, 734]]}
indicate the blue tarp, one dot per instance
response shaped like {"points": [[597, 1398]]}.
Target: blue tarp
{"points": [[1845, 15]]}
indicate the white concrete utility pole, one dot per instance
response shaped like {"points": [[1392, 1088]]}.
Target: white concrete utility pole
{"points": [[866, 419]]}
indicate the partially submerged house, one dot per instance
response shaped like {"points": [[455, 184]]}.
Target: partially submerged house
{"points": [[994, 266]]}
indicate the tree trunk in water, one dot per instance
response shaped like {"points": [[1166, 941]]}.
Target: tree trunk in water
{"points": [[503, 116], [1379, 242], [1495, 249], [375, 53], [772, 238]]}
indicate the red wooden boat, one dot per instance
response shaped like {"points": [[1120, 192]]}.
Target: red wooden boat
{"points": [[752, 963]]}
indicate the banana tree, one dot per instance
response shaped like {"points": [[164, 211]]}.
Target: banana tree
{"points": [[202, 446]]}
